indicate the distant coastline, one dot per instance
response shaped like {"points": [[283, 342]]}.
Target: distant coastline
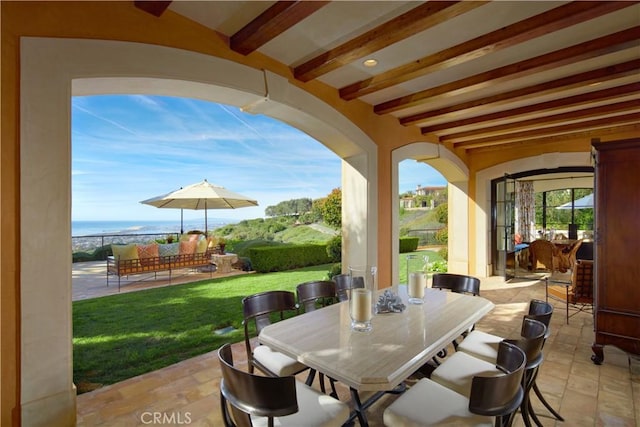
{"points": [[97, 228], [89, 235]]}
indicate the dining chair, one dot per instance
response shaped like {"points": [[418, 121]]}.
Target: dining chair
{"points": [[571, 255], [457, 371], [343, 285], [484, 346], [311, 296], [546, 253], [576, 293], [247, 399], [458, 283], [428, 403], [259, 309], [316, 294]]}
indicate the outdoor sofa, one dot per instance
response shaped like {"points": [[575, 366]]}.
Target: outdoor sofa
{"points": [[192, 251]]}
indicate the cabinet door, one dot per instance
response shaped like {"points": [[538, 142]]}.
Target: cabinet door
{"points": [[617, 257], [618, 229]]}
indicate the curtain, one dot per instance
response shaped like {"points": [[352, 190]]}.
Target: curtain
{"points": [[525, 210]]}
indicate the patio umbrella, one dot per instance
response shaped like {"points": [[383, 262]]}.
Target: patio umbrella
{"points": [[581, 203], [201, 195]]}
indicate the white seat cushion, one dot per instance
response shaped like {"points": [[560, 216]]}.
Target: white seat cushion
{"points": [[457, 372], [278, 363], [427, 403], [314, 409], [481, 345]]}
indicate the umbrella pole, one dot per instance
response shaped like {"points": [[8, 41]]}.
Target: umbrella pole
{"points": [[181, 221], [205, 218]]}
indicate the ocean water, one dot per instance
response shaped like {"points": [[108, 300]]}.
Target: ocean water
{"points": [[97, 228]]}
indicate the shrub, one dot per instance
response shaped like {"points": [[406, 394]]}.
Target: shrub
{"points": [[408, 244], [101, 253], [442, 235], [439, 266], [82, 256], [334, 249], [287, 257], [444, 252], [335, 270]]}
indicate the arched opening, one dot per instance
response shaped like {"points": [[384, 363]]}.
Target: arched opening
{"points": [[456, 174], [52, 70], [484, 178]]}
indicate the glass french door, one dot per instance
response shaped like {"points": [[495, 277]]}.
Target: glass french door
{"points": [[504, 227]]}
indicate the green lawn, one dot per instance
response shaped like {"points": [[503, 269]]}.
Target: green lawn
{"points": [[125, 335]]}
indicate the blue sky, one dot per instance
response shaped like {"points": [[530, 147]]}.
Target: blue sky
{"points": [[128, 148]]}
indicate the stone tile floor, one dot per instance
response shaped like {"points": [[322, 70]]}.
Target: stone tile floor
{"points": [[585, 394]]}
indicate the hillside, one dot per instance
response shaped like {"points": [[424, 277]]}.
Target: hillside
{"points": [[286, 230]]}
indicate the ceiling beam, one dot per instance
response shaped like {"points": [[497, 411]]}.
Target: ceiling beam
{"points": [[278, 18], [547, 88], [509, 36], [570, 55], [559, 139], [406, 25], [625, 119], [548, 106], [156, 8], [587, 113]]}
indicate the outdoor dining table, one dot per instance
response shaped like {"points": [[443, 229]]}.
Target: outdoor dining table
{"points": [[382, 359]]}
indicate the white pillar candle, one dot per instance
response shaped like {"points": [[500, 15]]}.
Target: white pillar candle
{"points": [[417, 283], [360, 305]]}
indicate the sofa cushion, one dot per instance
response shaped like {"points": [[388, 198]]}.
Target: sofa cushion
{"points": [[124, 252], [201, 247], [148, 254], [188, 248], [168, 249], [148, 251]]}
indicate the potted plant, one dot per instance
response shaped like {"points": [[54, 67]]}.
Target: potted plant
{"points": [[221, 243]]}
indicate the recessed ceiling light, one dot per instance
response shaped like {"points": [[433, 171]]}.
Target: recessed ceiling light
{"points": [[370, 62]]}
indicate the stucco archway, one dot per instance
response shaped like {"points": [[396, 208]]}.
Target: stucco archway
{"points": [[457, 175], [483, 195], [52, 70]]}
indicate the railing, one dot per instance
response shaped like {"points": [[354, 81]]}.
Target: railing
{"points": [[426, 236], [91, 242]]}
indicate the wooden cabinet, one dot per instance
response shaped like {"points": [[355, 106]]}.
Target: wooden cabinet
{"points": [[617, 247]]}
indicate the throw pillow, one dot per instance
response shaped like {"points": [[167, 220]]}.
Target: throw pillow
{"points": [[124, 252], [148, 251], [148, 254], [168, 249], [188, 248], [201, 247]]}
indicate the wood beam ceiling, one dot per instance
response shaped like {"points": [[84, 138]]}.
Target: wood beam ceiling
{"points": [[278, 18], [548, 88], [155, 8], [570, 55], [506, 106], [509, 36], [544, 107], [414, 21]]}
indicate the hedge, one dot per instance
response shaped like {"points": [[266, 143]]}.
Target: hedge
{"points": [[287, 257], [408, 244]]}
